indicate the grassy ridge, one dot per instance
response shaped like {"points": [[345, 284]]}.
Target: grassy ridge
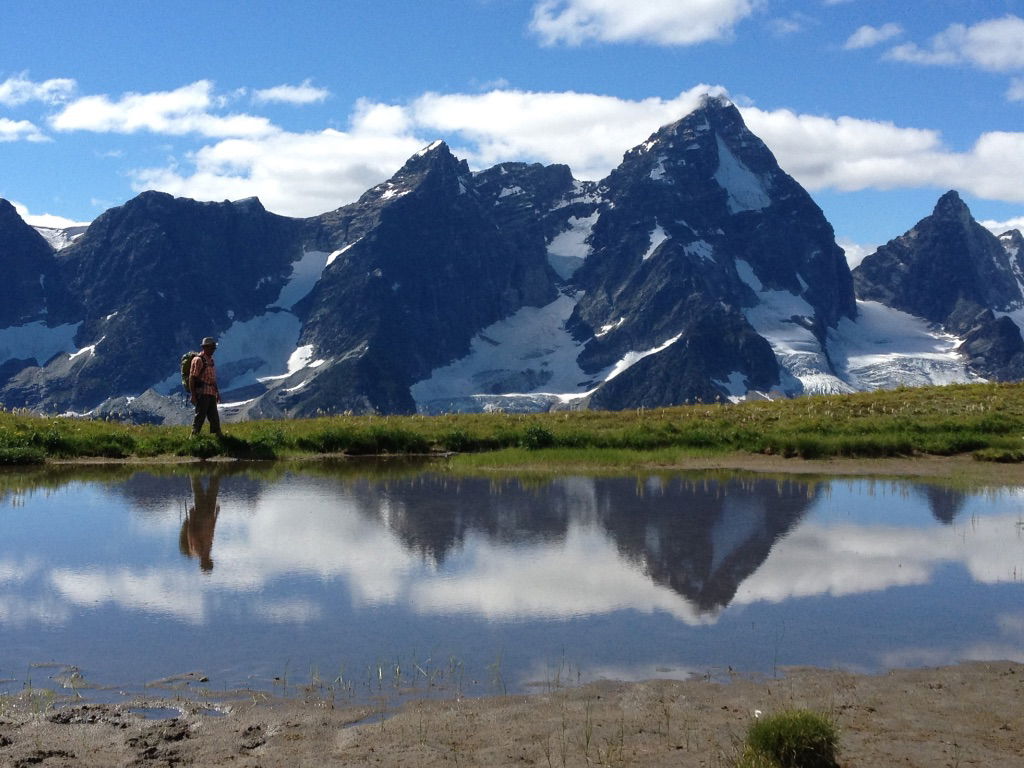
{"points": [[984, 419]]}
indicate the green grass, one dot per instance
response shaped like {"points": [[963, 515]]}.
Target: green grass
{"points": [[986, 420], [796, 738]]}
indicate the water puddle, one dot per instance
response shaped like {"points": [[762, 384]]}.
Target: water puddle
{"points": [[342, 586]]}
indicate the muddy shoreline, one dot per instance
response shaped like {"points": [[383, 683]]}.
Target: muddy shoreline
{"points": [[948, 468], [968, 714]]}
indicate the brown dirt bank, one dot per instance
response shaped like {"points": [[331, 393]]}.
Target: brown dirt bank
{"points": [[962, 468], [966, 715], [951, 468]]}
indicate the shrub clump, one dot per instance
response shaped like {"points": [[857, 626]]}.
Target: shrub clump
{"points": [[795, 738]]}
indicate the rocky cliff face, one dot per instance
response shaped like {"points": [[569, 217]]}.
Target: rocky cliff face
{"points": [[418, 266], [953, 272], [946, 259], [690, 214], [148, 280], [29, 267], [698, 270]]}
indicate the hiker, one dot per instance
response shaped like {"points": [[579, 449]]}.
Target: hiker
{"points": [[203, 386], [196, 537]]}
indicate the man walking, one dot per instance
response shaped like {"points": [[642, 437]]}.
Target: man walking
{"points": [[202, 379]]}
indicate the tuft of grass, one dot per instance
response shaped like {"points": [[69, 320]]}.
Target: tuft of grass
{"points": [[797, 738]]}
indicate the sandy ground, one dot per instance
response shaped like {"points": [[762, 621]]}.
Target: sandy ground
{"points": [[966, 715]]}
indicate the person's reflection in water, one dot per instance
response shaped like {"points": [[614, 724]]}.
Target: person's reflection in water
{"points": [[196, 539]]}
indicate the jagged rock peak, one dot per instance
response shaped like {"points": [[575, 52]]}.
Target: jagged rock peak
{"points": [[951, 207], [1013, 242], [432, 169], [435, 154], [6, 208], [13, 225]]}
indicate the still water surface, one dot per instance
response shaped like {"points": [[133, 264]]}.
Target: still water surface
{"points": [[481, 585]]}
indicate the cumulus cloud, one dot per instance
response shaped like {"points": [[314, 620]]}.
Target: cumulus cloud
{"points": [[999, 227], [296, 174], [306, 93], [850, 154], [302, 174], [18, 90], [182, 111], [868, 36], [45, 219], [855, 252], [1016, 90], [993, 45], [20, 130], [586, 131], [662, 22]]}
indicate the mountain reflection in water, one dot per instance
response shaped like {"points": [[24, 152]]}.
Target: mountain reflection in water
{"points": [[661, 574]]}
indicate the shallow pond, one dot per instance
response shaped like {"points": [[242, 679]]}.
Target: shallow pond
{"points": [[362, 583]]}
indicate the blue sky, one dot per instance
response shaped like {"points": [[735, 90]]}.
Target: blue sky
{"points": [[876, 107]]}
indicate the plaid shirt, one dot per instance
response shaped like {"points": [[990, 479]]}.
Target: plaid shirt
{"points": [[204, 369]]}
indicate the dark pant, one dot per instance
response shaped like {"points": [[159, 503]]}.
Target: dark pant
{"points": [[206, 408]]}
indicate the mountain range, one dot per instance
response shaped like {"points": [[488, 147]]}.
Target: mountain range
{"points": [[696, 271]]}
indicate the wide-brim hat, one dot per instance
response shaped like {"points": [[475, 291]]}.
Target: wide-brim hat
{"points": [[209, 341]]}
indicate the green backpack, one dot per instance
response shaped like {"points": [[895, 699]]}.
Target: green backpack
{"points": [[186, 368]]}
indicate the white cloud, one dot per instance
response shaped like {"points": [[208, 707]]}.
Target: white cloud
{"points": [[790, 25], [303, 174], [855, 252], [586, 131], [20, 130], [306, 93], [19, 89], [1016, 90], [296, 174], [181, 111], [868, 36], [993, 45], [999, 227], [849, 154], [45, 219], [662, 22]]}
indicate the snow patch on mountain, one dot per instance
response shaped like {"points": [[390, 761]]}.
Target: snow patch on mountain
{"points": [[528, 352], [701, 249], [331, 257], [882, 349], [61, 237], [569, 249], [782, 318], [657, 237], [606, 329], [633, 357], [36, 341], [745, 189], [735, 385], [89, 350], [265, 348], [658, 172], [887, 348], [304, 276]]}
